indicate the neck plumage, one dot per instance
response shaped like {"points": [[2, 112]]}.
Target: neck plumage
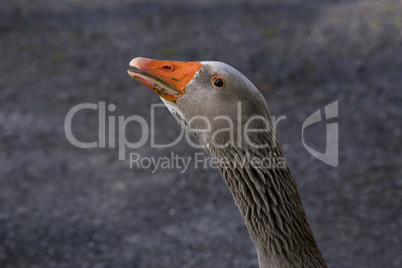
{"points": [[268, 199]]}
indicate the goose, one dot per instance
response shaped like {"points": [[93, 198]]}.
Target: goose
{"points": [[229, 116]]}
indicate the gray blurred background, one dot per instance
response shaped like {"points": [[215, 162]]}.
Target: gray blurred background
{"points": [[62, 206]]}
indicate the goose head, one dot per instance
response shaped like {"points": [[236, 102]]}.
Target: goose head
{"points": [[210, 99]]}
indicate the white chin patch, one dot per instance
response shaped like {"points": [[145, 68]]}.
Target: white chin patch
{"points": [[173, 108], [169, 105], [176, 112]]}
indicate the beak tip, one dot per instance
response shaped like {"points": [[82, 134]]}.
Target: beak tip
{"points": [[134, 62], [131, 73]]}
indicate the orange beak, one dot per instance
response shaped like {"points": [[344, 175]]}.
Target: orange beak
{"points": [[167, 78]]}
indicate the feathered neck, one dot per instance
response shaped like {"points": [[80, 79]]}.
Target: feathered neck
{"points": [[268, 199]]}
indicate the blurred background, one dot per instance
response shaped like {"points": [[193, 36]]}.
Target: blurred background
{"points": [[62, 206]]}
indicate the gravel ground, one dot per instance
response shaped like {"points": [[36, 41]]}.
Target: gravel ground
{"points": [[62, 206]]}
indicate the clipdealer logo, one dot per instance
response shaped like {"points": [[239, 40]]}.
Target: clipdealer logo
{"points": [[331, 154], [107, 128]]}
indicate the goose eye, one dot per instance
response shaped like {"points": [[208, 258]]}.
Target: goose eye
{"points": [[218, 81]]}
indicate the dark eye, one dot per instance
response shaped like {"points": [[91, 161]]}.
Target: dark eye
{"points": [[218, 81]]}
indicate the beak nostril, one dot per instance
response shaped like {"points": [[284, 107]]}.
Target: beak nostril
{"points": [[167, 68]]}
